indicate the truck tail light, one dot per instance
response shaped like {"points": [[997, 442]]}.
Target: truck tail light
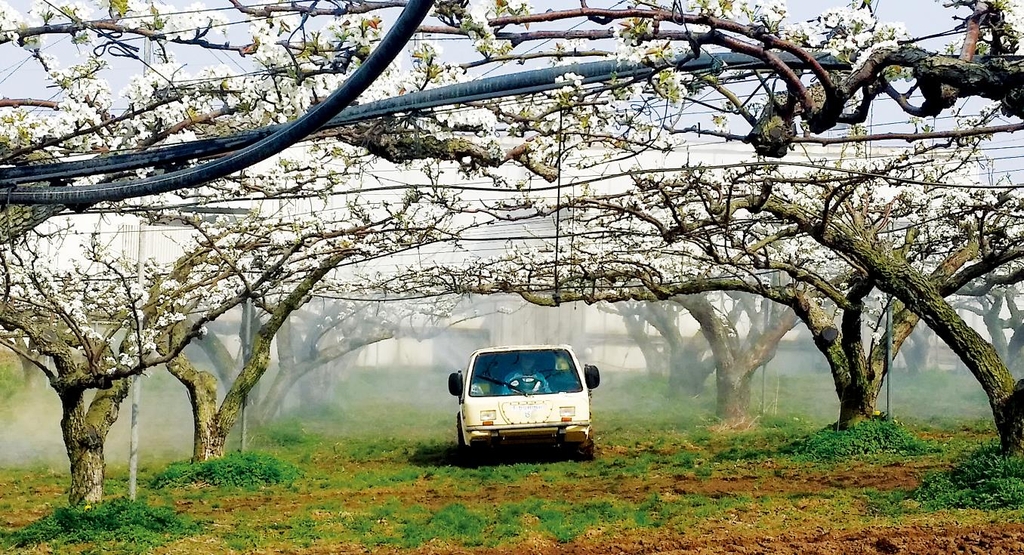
{"points": [[567, 413]]}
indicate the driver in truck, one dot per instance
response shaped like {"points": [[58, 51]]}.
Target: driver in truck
{"points": [[527, 376]]}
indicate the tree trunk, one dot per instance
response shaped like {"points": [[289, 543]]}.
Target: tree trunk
{"points": [[733, 401], [857, 383], [856, 403], [208, 436], [735, 363], [977, 354], [85, 432], [209, 440], [688, 372], [212, 424], [854, 382], [1009, 419], [85, 452]]}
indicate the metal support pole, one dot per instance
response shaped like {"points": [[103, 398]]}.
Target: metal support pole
{"points": [[764, 367], [133, 445], [246, 354], [133, 449], [888, 360]]}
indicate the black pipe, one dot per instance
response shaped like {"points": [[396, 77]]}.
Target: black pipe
{"points": [[389, 48]]}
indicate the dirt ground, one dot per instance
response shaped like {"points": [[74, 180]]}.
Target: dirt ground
{"points": [[795, 510], [941, 536], [996, 539]]}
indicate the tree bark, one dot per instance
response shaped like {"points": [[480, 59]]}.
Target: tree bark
{"points": [[1009, 419], [923, 298], [212, 424], [856, 383], [209, 438], [980, 357], [733, 395], [85, 432], [857, 402]]}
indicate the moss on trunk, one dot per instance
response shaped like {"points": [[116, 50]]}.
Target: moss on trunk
{"points": [[85, 433]]}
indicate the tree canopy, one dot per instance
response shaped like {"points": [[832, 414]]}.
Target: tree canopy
{"points": [[216, 72]]}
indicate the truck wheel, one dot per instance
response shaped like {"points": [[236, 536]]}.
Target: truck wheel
{"points": [[583, 451], [467, 455], [463, 447]]}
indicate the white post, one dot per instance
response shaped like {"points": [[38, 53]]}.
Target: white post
{"points": [[133, 456], [246, 354], [133, 447]]}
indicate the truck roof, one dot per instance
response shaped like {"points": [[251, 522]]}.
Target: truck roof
{"points": [[507, 348]]}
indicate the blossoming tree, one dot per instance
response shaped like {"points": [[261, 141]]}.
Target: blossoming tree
{"points": [[288, 58], [90, 324], [919, 240], [695, 210]]}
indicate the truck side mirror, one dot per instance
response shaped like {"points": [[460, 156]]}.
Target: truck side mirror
{"points": [[592, 376], [455, 383]]}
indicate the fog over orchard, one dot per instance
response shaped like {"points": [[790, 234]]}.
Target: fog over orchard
{"points": [[375, 392]]}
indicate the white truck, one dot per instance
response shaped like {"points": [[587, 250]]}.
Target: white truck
{"points": [[529, 394]]}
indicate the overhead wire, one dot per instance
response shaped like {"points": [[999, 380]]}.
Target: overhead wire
{"points": [[222, 78], [445, 110]]}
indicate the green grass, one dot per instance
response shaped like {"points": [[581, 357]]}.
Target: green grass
{"points": [[132, 526], [398, 499], [243, 470], [289, 433], [984, 480], [397, 524], [871, 437]]}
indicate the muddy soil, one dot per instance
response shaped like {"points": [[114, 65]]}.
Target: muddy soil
{"points": [[996, 539], [941, 535]]}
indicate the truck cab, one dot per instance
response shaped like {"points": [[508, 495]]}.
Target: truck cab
{"points": [[525, 395]]}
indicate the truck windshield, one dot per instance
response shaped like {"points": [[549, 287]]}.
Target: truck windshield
{"points": [[524, 373]]}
